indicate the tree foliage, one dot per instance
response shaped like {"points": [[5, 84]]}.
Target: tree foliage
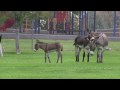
{"points": [[104, 19]]}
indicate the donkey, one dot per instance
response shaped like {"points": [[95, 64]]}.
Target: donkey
{"points": [[100, 41], [48, 48], [84, 42], [1, 49]]}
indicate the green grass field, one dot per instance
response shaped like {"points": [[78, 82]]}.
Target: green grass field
{"points": [[31, 65]]}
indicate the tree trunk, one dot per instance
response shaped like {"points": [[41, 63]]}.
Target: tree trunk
{"points": [[17, 42], [32, 34]]}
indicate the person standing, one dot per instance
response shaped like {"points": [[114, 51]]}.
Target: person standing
{"points": [[1, 50]]}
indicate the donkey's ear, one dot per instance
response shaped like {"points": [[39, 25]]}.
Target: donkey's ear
{"points": [[96, 37], [86, 38]]}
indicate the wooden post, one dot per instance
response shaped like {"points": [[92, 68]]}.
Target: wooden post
{"points": [[26, 26], [1, 49], [48, 23], [64, 23], [54, 24]]}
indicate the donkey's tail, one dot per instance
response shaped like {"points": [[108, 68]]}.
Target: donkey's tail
{"points": [[107, 48]]}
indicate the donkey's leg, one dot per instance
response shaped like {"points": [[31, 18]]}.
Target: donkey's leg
{"points": [[83, 56], [76, 53], [58, 57], [45, 57], [86, 50], [75, 50], [88, 56], [97, 56], [61, 57], [102, 57], [79, 49], [1, 50], [48, 57], [77, 58]]}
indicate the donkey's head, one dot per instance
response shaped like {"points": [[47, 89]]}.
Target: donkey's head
{"points": [[92, 44], [36, 47], [92, 36]]}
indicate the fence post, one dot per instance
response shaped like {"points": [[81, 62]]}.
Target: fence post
{"points": [[20, 29], [80, 23], [114, 30], [38, 25], [51, 26], [87, 20], [35, 25], [26, 25], [72, 23], [32, 34], [94, 21], [66, 22]]}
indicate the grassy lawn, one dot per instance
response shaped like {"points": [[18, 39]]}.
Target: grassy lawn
{"points": [[31, 65]]}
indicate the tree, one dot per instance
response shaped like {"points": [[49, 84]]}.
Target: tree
{"points": [[18, 16]]}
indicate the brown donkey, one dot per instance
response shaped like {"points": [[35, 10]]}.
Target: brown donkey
{"points": [[46, 47], [101, 43]]}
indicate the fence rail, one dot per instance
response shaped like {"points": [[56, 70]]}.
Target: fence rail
{"points": [[47, 36], [108, 32]]}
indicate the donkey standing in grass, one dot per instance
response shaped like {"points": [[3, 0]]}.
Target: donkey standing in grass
{"points": [[48, 48], [84, 42], [100, 41]]}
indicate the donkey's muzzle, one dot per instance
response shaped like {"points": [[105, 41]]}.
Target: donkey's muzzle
{"points": [[35, 50], [91, 53]]}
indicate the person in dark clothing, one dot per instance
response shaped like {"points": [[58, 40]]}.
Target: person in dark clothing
{"points": [[0, 38], [1, 50]]}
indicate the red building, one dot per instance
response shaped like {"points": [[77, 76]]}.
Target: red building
{"points": [[61, 15]]}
